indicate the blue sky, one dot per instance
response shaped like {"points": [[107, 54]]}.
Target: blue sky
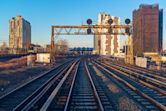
{"points": [[44, 13]]}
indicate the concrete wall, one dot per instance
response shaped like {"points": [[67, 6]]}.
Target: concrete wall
{"points": [[140, 61], [43, 57]]}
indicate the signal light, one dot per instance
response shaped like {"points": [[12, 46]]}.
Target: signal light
{"points": [[110, 31], [127, 21], [110, 21], [89, 31], [127, 30], [89, 21]]}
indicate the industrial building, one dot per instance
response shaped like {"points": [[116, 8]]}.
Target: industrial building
{"points": [[19, 35], [147, 29], [107, 44]]}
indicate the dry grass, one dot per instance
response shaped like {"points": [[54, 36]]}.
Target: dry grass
{"points": [[13, 63], [13, 77]]}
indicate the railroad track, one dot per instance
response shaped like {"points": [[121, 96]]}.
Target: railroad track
{"points": [[145, 72], [19, 97], [157, 81], [70, 88], [73, 86], [149, 98], [103, 91], [78, 92], [151, 73]]}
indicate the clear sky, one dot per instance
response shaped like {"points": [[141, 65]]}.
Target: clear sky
{"points": [[44, 13]]}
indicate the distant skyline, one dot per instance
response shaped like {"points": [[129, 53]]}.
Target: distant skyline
{"points": [[44, 13]]}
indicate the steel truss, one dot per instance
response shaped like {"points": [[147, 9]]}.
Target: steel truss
{"points": [[94, 30]]}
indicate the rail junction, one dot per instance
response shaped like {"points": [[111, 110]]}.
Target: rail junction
{"points": [[82, 83]]}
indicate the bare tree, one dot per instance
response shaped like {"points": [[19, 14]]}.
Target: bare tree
{"points": [[62, 47]]}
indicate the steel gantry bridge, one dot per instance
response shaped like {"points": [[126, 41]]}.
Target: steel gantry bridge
{"points": [[90, 29]]}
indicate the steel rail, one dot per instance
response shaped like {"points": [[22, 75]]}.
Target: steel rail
{"points": [[26, 83], [143, 82], [136, 68], [161, 91], [150, 79], [71, 88], [35, 96], [156, 103], [9, 96], [94, 88], [55, 91], [102, 88], [144, 72]]}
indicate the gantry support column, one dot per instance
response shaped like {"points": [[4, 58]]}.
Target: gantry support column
{"points": [[129, 55], [52, 52]]}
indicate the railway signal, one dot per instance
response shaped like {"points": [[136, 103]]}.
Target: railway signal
{"points": [[110, 21], [89, 21], [90, 29], [127, 21]]}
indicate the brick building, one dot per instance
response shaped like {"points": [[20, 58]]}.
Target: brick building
{"points": [[147, 29]]}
